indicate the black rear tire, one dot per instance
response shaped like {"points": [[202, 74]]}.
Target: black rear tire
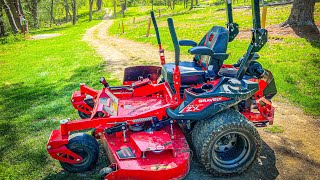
{"points": [[83, 115], [85, 146], [226, 144]]}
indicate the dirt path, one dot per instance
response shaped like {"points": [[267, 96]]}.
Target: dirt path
{"points": [[293, 154]]}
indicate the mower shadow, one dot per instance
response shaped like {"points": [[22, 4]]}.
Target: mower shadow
{"points": [[266, 169], [92, 174]]}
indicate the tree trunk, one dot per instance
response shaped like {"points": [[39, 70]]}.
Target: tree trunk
{"points": [[66, 7], [22, 16], [2, 29], [115, 8], [74, 12], [197, 2], [15, 10], [302, 13], [11, 19], [123, 8], [99, 5], [191, 6], [51, 13], [34, 13], [90, 9], [152, 5], [301, 19]]}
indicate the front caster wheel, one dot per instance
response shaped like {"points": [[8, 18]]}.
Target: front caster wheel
{"points": [[105, 171], [226, 144], [85, 146]]}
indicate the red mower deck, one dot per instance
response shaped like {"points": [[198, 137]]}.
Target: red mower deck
{"points": [[148, 155]]}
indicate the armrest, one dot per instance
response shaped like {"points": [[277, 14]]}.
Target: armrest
{"points": [[187, 43], [201, 50]]}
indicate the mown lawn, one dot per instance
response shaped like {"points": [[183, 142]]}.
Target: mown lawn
{"points": [[36, 82], [293, 61]]}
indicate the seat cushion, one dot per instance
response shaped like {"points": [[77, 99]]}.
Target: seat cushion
{"points": [[191, 73]]}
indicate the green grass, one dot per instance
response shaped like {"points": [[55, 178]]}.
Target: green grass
{"points": [[274, 129], [293, 61], [37, 77]]}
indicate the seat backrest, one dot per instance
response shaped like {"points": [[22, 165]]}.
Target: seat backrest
{"points": [[216, 39]]}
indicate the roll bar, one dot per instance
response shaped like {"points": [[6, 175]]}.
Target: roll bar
{"points": [[232, 27], [259, 39], [175, 41], [161, 50], [155, 27], [176, 72]]}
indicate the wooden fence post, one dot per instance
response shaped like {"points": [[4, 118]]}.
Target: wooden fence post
{"points": [[148, 30], [159, 12], [264, 16], [134, 20]]}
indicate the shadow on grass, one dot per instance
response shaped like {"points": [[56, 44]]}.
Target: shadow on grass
{"points": [[52, 30], [16, 100], [310, 33], [266, 170], [30, 112]]}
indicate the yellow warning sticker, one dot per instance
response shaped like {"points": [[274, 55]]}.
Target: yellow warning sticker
{"points": [[158, 167]]}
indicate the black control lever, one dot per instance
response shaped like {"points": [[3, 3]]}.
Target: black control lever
{"points": [[104, 82]]}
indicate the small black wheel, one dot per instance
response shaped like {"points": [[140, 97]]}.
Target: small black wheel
{"points": [[105, 171], [83, 115], [85, 146], [226, 144]]}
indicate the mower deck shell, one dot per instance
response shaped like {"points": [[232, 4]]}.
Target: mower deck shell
{"points": [[156, 155]]}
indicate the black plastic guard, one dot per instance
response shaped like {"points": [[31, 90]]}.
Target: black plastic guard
{"points": [[133, 73], [231, 88], [206, 113]]}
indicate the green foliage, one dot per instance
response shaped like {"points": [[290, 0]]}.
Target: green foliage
{"points": [[10, 38], [37, 77], [293, 61]]}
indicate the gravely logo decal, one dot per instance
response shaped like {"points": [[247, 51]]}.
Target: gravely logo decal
{"points": [[201, 103], [215, 99]]}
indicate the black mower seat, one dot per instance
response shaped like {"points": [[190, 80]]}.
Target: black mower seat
{"points": [[216, 39], [191, 73], [194, 72]]}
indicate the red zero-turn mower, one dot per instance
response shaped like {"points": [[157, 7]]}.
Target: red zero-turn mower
{"points": [[141, 124]]}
